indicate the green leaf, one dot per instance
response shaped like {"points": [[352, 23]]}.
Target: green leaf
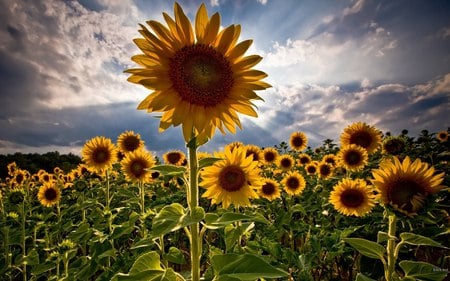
{"points": [[174, 217], [148, 275], [169, 170], [367, 248], [244, 267], [32, 258], [148, 261], [175, 256], [415, 239], [362, 277], [213, 221], [208, 161], [382, 237], [127, 227], [43, 267], [423, 271]]}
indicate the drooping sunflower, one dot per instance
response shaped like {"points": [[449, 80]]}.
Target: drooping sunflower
{"points": [[49, 194], [99, 154], [270, 155], [393, 145], [294, 183], [362, 134], [298, 141], [405, 185], [233, 180], [270, 189], [129, 141], [199, 75], [174, 157], [352, 197], [285, 162], [136, 165], [353, 157], [442, 136]]}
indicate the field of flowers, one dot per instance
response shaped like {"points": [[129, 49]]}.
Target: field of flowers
{"points": [[328, 213]]}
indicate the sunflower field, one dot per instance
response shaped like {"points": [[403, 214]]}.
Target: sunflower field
{"points": [[373, 207]]}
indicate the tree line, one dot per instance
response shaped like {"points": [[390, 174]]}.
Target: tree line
{"points": [[33, 162]]}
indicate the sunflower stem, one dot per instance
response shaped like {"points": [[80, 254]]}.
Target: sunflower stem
{"points": [[195, 239], [391, 256], [24, 249]]}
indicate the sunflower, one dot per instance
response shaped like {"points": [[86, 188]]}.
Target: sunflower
{"points": [[352, 197], [285, 162], [442, 136], [270, 155], [366, 136], [174, 157], [99, 154], [304, 159], [293, 183], [254, 151], [353, 157], [270, 189], [129, 141], [136, 165], [49, 194], [233, 180], [20, 176], [393, 145], [405, 185], [46, 177], [325, 170], [199, 75], [12, 167], [298, 141], [234, 144], [330, 159], [311, 168]]}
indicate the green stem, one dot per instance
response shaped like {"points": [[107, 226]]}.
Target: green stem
{"points": [[24, 249], [110, 218], [391, 256], [142, 206], [195, 239], [162, 246]]}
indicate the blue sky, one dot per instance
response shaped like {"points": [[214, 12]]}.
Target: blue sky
{"points": [[331, 63]]}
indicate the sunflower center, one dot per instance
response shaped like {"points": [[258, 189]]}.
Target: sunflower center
{"points": [[269, 156], [131, 143], [402, 193], [268, 188], [173, 157], [286, 163], [352, 157], [311, 169], [325, 170], [50, 194], [201, 75], [232, 178], [19, 178], [293, 183], [137, 168], [298, 141], [100, 156], [394, 146], [363, 139], [304, 160], [352, 198]]}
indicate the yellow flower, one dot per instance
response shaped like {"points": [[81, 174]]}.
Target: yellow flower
{"points": [[298, 141], [136, 165], [293, 183], [405, 185], [233, 180], [285, 162], [199, 75], [393, 145], [366, 136], [99, 154], [174, 157], [49, 194], [330, 159], [325, 170], [311, 168], [442, 136], [352, 197], [270, 189], [254, 151], [129, 141], [353, 157], [304, 159], [270, 155]]}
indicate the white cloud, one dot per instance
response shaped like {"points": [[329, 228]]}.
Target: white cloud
{"points": [[214, 3], [354, 9], [263, 2]]}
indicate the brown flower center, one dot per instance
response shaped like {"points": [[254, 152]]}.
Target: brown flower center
{"points": [[131, 143], [137, 168], [100, 155], [292, 183], [304, 160], [325, 170], [311, 169], [352, 157], [269, 156], [352, 198], [361, 138], [232, 178], [173, 158], [402, 193], [286, 163], [268, 188], [50, 194], [201, 75], [297, 141]]}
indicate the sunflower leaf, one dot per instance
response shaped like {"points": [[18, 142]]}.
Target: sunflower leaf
{"points": [[213, 220], [415, 239], [205, 162], [169, 170], [362, 277], [416, 270], [366, 247], [173, 217]]}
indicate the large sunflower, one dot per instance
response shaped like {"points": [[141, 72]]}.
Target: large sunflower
{"points": [[405, 185], [352, 197], [49, 194], [363, 135], [99, 154], [353, 157], [136, 165], [233, 180], [129, 141], [199, 75], [298, 141], [294, 183]]}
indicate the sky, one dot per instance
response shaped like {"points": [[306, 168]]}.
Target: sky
{"points": [[331, 63]]}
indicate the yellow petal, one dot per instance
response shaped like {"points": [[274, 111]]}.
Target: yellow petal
{"points": [[212, 29], [239, 50], [224, 39], [184, 26], [246, 63], [201, 22]]}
